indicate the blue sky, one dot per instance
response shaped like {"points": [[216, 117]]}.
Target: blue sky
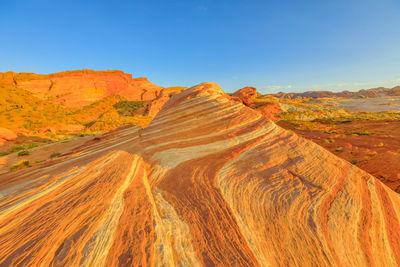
{"points": [[272, 45]]}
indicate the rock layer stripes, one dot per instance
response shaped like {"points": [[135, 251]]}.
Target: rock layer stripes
{"points": [[208, 182]]}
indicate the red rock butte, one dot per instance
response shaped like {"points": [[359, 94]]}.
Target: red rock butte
{"points": [[208, 182], [82, 87]]}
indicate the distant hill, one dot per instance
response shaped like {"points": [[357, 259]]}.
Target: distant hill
{"points": [[374, 92]]}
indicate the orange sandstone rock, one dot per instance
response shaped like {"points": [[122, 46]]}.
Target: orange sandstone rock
{"points": [[270, 110], [155, 106], [82, 87], [208, 182], [245, 95]]}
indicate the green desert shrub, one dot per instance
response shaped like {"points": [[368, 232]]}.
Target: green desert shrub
{"points": [[4, 153], [17, 148], [339, 149], [362, 133], [329, 140], [353, 160], [20, 165], [55, 154], [30, 146], [23, 153], [128, 108]]}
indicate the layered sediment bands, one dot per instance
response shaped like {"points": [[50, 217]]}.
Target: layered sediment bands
{"points": [[208, 182]]}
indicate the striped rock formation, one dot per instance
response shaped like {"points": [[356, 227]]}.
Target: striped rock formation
{"points": [[208, 182]]}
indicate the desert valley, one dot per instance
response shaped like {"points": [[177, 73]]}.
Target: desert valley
{"points": [[200, 133], [49, 115], [102, 169]]}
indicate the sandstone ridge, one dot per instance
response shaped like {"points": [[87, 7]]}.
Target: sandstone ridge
{"points": [[82, 87], [208, 182]]}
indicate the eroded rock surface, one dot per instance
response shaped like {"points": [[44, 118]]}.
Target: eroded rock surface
{"points": [[156, 105], [82, 87], [245, 95], [208, 182]]}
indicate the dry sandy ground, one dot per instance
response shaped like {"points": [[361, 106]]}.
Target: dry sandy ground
{"points": [[373, 146], [379, 104]]}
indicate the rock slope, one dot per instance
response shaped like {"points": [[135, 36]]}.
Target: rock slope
{"points": [[82, 87], [208, 182]]}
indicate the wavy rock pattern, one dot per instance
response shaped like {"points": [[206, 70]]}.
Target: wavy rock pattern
{"points": [[208, 182]]}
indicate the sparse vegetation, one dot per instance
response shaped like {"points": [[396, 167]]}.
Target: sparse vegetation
{"points": [[17, 148], [23, 147], [23, 153], [20, 109], [54, 155], [339, 149], [20, 165], [128, 108], [4, 153], [329, 140], [361, 133], [353, 160], [31, 145]]}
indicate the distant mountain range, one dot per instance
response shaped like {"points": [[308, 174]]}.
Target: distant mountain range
{"points": [[364, 93]]}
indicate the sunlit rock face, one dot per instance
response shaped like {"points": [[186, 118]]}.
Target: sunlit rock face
{"points": [[82, 87], [209, 182], [245, 95]]}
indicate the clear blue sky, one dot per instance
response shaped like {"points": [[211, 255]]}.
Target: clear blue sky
{"points": [[272, 45]]}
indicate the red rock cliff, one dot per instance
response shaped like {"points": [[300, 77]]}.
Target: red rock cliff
{"points": [[82, 87]]}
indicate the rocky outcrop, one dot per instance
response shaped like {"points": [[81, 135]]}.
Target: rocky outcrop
{"points": [[267, 108], [208, 182], [82, 87], [156, 104], [6, 135], [245, 95]]}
